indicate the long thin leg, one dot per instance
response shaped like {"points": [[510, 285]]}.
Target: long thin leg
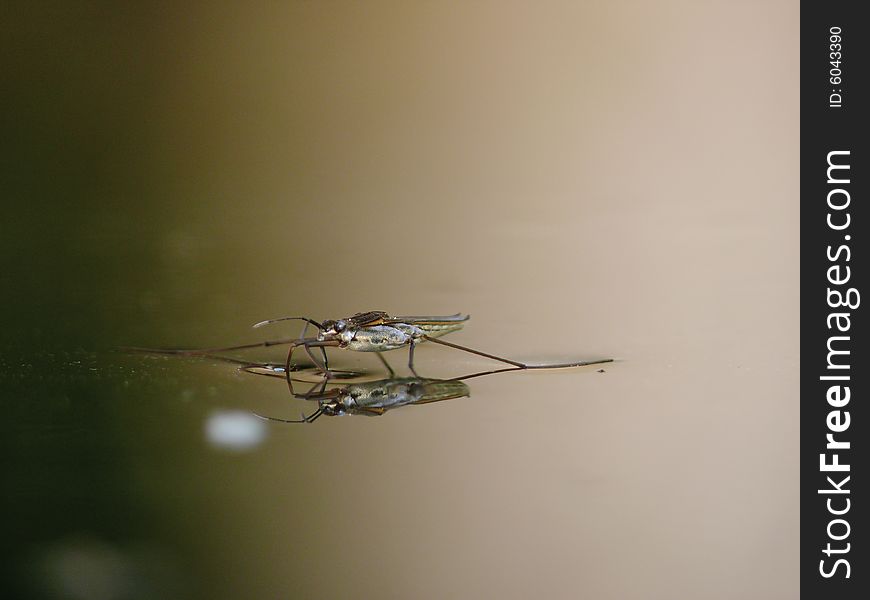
{"points": [[244, 365], [201, 351], [517, 363], [311, 393], [325, 366], [322, 367], [301, 335], [386, 364], [287, 365], [235, 361], [411, 347], [482, 373], [307, 344], [308, 322], [581, 363], [508, 369]]}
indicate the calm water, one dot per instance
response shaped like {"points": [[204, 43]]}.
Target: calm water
{"points": [[586, 180]]}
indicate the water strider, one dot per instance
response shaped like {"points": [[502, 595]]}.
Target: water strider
{"points": [[378, 332]]}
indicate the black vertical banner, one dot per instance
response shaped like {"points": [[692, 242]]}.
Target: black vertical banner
{"points": [[835, 375]]}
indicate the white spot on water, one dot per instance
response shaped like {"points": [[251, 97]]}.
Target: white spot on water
{"points": [[235, 430]]}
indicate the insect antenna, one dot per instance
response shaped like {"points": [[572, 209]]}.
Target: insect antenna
{"points": [[309, 419], [270, 321]]}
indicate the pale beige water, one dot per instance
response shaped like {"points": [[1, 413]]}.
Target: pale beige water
{"points": [[584, 179]]}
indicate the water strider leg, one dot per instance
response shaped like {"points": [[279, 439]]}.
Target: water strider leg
{"points": [[307, 344], [386, 364], [322, 367], [300, 338], [200, 351], [308, 322], [204, 351], [503, 370], [287, 365], [411, 345], [482, 373], [515, 363], [311, 393]]}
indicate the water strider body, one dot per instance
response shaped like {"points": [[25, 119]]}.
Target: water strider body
{"points": [[376, 331]]}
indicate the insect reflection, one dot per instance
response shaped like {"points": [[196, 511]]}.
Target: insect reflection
{"points": [[367, 398]]}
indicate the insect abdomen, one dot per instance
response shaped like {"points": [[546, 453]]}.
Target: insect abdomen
{"points": [[376, 339], [443, 390]]}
